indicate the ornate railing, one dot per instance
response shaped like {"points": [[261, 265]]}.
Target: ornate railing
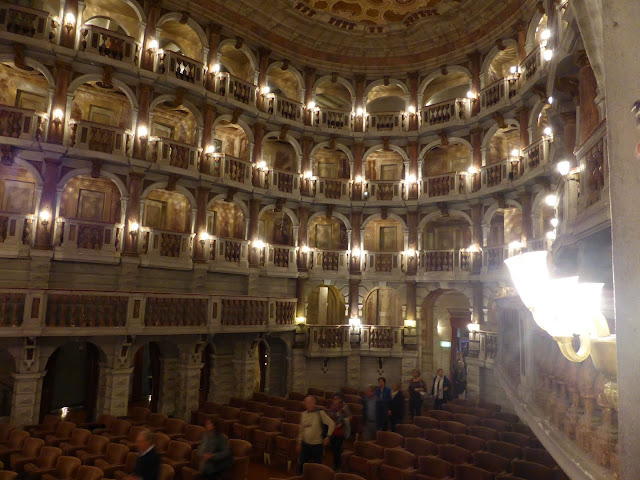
{"points": [[531, 65], [11, 309], [16, 232], [100, 138], [282, 181], [332, 119], [593, 158], [86, 310], [382, 262], [386, 122], [109, 44], [229, 251], [233, 88], [446, 261], [231, 168], [387, 190], [535, 154], [447, 184], [72, 234], [281, 256], [176, 154], [455, 110], [23, 123], [329, 260], [161, 311], [183, 68], [28, 22], [333, 188], [494, 256], [284, 107], [334, 339], [159, 243]]}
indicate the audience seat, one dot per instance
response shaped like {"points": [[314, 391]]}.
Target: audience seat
{"points": [[254, 407], [348, 398], [119, 430], [8, 475], [192, 435], [292, 417], [29, 453], [204, 411], [86, 472], [506, 417], [5, 430], [491, 462], [453, 427], [493, 407], [408, 430], [439, 437], [95, 449], [479, 412], [364, 459], [174, 428], [466, 419], [156, 422], [469, 472], [504, 449], [468, 442], [315, 471], [62, 434], [264, 435], [522, 428], [137, 415], [45, 463], [161, 442], [285, 444], [454, 454], [130, 442], [65, 469], [260, 397], [191, 471], [129, 466], [237, 402], [294, 406], [530, 470], [315, 392], [47, 427], [241, 451], [484, 433], [426, 422], [434, 468], [272, 411], [389, 440], [441, 415], [356, 426], [356, 408], [178, 455], [398, 464], [515, 438], [166, 472], [453, 408], [348, 476], [246, 424], [17, 439], [114, 458], [296, 396], [228, 416], [539, 455], [420, 447], [495, 424], [465, 402], [101, 425], [78, 439]]}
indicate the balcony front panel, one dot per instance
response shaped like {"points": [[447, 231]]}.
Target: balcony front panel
{"points": [[16, 234], [168, 152], [165, 249], [84, 240], [100, 138], [110, 44], [28, 22], [24, 124], [173, 65], [228, 254]]}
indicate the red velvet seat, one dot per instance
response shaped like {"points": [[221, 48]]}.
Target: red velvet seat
{"points": [[264, 436], [174, 428], [119, 430], [5, 430], [138, 415], [389, 440], [441, 415], [178, 455], [296, 396], [95, 449], [408, 430], [156, 422], [45, 463], [62, 434], [78, 439], [227, 417], [495, 424], [506, 417], [539, 455], [16, 441], [364, 459], [453, 427], [65, 469], [491, 462], [398, 464], [130, 441], [504, 449], [466, 419], [518, 439], [29, 453], [530, 470], [47, 427], [484, 433], [284, 445], [246, 424], [114, 458]]}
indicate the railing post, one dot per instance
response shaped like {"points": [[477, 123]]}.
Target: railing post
{"points": [[136, 309]]}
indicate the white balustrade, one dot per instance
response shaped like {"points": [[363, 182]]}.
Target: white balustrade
{"points": [[387, 190], [333, 188], [386, 122], [494, 257], [173, 246], [449, 112], [23, 123], [328, 340], [282, 257], [282, 181], [108, 43], [536, 154], [322, 260], [531, 65], [381, 339], [500, 173], [499, 92], [228, 252], [447, 184], [446, 261], [74, 234], [16, 233], [166, 151], [232, 169], [28, 22], [178, 66], [100, 138], [331, 119], [382, 262], [284, 107], [235, 89]]}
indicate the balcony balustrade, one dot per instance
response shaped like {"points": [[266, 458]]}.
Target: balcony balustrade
{"points": [[174, 65], [342, 340], [228, 252], [62, 312], [110, 44], [449, 112], [531, 65], [159, 247], [166, 151], [494, 257], [281, 258], [499, 173], [284, 107], [235, 90], [483, 346], [333, 188], [593, 159], [329, 119], [77, 239], [448, 184], [328, 340], [28, 22], [100, 138], [16, 233], [377, 339], [385, 190], [498, 93], [386, 122], [382, 262], [23, 123], [536, 154], [282, 181], [323, 261], [231, 169]]}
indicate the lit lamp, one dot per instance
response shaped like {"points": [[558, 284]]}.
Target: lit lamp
{"points": [[301, 320], [58, 115], [204, 237], [45, 216], [153, 45], [410, 324], [69, 21], [305, 249], [565, 308], [259, 244], [134, 227]]}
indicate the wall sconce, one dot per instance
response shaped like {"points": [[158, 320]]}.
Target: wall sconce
{"points": [[411, 109], [471, 95], [547, 55], [301, 320], [45, 216], [554, 222], [311, 105], [259, 244], [308, 175], [516, 245], [565, 308], [143, 131], [356, 252], [411, 178], [265, 90], [551, 235], [355, 323], [134, 227], [204, 237], [64, 411], [409, 252], [475, 248], [551, 200], [58, 115], [472, 170], [473, 327], [215, 68], [550, 100], [359, 111], [410, 324], [548, 131], [261, 165], [358, 179], [305, 249], [69, 21], [514, 70], [563, 167], [210, 150], [153, 46]]}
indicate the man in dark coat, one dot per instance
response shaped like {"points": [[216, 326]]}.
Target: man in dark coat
{"points": [[440, 389], [148, 462], [396, 411]]}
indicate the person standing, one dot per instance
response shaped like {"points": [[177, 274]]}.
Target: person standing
{"points": [[383, 394], [148, 462], [396, 412], [460, 380], [311, 440], [369, 413], [440, 389], [341, 415], [214, 452], [417, 389]]}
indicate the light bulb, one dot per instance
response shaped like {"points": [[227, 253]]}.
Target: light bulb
{"points": [[70, 19], [471, 94], [550, 100], [143, 131], [266, 89], [551, 200], [513, 69], [472, 170], [548, 55], [515, 245], [204, 236], [515, 152], [359, 111], [410, 252], [563, 167], [412, 109], [134, 227], [259, 244], [308, 174], [358, 179], [356, 252], [548, 131], [58, 114], [215, 68], [210, 149], [411, 178], [45, 215], [554, 222], [311, 105], [153, 44], [545, 34], [305, 249], [551, 235]]}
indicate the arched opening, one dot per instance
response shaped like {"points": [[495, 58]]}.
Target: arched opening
{"points": [[226, 220], [443, 159], [505, 227], [382, 306], [542, 220], [116, 16], [501, 64], [384, 165], [145, 380], [386, 99], [174, 122], [17, 190], [328, 233], [332, 95], [454, 84], [280, 155], [71, 380], [7, 371], [542, 122], [284, 83], [330, 163], [165, 210], [325, 306], [383, 235], [236, 62], [446, 233], [205, 374], [445, 316], [276, 228], [231, 139], [92, 199], [180, 38], [540, 30], [502, 143], [278, 372]]}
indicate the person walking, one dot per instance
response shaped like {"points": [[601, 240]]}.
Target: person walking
{"points": [[383, 394], [214, 452], [341, 415], [460, 380], [311, 440], [417, 390], [396, 411], [440, 389], [369, 413], [148, 461]]}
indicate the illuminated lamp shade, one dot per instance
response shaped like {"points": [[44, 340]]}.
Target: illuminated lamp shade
{"points": [[355, 322], [529, 273], [473, 327]]}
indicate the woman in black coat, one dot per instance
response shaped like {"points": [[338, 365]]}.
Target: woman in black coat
{"points": [[440, 389], [396, 409]]}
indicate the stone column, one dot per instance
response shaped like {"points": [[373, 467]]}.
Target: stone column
{"points": [[245, 359], [202, 198], [475, 63], [414, 78], [588, 87], [309, 80], [622, 69], [412, 311], [526, 200], [358, 125], [207, 137], [354, 289], [263, 64], [412, 243], [353, 371], [522, 40], [148, 56], [300, 284], [478, 303], [48, 203], [303, 241], [568, 120], [476, 236], [144, 103], [57, 125], [25, 402], [476, 145], [358, 152], [258, 135], [307, 146], [169, 386], [214, 41], [254, 214], [189, 368], [113, 391], [298, 370], [412, 188], [222, 379], [133, 214], [68, 35], [523, 118], [356, 221]]}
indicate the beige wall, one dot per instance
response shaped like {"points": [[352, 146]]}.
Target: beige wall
{"points": [[95, 199]]}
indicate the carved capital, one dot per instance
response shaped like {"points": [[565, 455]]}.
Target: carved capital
{"points": [[283, 132], [171, 182]]}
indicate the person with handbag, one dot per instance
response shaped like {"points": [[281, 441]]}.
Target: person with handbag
{"points": [[312, 438], [341, 415], [440, 389]]}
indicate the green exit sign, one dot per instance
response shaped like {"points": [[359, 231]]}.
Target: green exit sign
{"points": [[444, 344]]}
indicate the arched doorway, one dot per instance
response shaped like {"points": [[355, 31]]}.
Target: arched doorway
{"points": [[325, 306], [383, 306], [145, 381], [71, 380]]}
